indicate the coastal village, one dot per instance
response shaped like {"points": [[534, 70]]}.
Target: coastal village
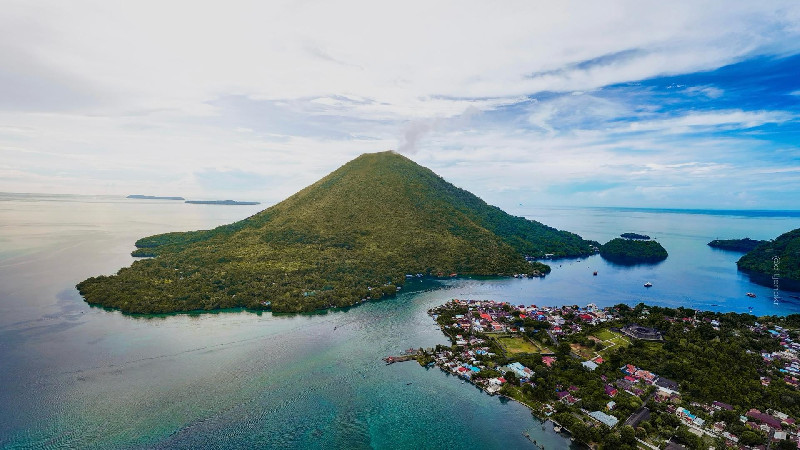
{"points": [[567, 365]]}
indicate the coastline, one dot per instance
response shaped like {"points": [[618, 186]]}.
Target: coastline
{"points": [[537, 414], [605, 378]]}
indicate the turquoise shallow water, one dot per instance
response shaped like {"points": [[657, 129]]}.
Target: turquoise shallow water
{"points": [[79, 377]]}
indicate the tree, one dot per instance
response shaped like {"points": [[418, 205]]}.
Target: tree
{"points": [[751, 438], [563, 350], [511, 378], [628, 435]]}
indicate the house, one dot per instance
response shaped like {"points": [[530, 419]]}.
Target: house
{"points": [[611, 391], [604, 418], [719, 405], [611, 405], [684, 414], [645, 375], [548, 360], [570, 400], [497, 381], [520, 370], [589, 365], [667, 384], [644, 333], [766, 419]]}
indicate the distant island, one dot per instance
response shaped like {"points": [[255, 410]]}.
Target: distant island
{"points": [[632, 251], [735, 245], [350, 237], [635, 236], [220, 202], [775, 263], [153, 197]]}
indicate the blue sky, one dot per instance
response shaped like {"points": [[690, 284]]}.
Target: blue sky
{"points": [[685, 105]]}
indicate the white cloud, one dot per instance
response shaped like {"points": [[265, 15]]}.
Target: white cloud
{"points": [[103, 96], [731, 119]]}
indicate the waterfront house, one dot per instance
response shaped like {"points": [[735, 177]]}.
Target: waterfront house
{"points": [[497, 381]]}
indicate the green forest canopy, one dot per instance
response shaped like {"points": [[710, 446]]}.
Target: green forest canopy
{"points": [[350, 236], [779, 257], [632, 251]]}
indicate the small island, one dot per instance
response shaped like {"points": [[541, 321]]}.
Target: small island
{"points": [[735, 245], [632, 251], [621, 377], [220, 202], [635, 236], [153, 197], [775, 263]]}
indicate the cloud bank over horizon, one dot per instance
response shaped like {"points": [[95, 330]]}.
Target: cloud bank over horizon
{"points": [[686, 104]]}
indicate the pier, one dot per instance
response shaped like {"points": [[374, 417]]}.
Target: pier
{"points": [[408, 355]]}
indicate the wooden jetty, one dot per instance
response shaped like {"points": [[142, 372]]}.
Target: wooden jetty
{"points": [[408, 355]]}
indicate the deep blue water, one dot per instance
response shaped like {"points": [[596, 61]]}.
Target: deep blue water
{"points": [[72, 376]]}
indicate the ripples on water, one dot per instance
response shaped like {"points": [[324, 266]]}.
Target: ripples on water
{"points": [[81, 377]]}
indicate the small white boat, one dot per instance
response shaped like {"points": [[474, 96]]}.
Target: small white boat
{"points": [[751, 295], [648, 284]]}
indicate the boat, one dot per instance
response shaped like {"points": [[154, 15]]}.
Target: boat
{"points": [[595, 273], [557, 428], [648, 284], [751, 295]]}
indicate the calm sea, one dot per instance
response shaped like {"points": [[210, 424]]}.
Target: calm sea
{"points": [[72, 376]]}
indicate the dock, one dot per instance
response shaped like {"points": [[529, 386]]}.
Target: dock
{"points": [[408, 355]]}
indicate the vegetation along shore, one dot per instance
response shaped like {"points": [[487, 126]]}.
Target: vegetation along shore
{"points": [[621, 377], [350, 237]]}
